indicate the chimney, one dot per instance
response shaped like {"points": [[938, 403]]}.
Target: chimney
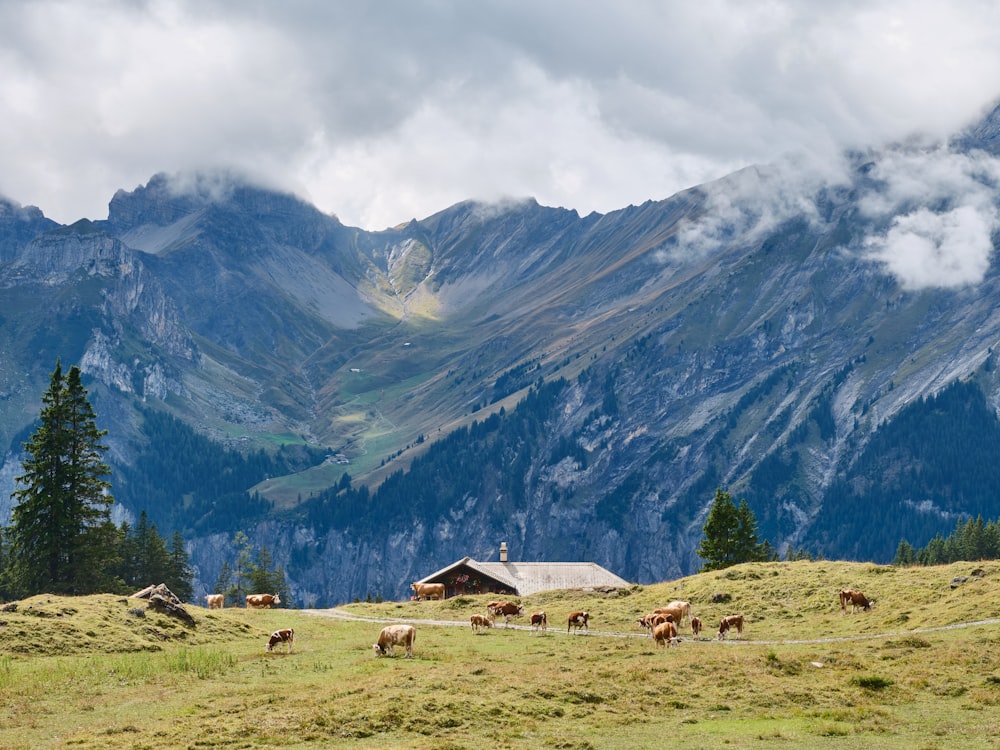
{"points": [[503, 551]]}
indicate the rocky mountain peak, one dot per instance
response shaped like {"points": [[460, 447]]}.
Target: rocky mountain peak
{"points": [[18, 224], [166, 199]]}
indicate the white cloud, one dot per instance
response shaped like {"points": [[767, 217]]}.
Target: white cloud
{"points": [[938, 212], [938, 249], [380, 112], [745, 206]]}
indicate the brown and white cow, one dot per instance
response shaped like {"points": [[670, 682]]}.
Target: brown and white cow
{"points": [[679, 606], [215, 601], [539, 621], [578, 619], [480, 622], [649, 622], [856, 599], [675, 611], [262, 601], [665, 634], [395, 635], [428, 590], [508, 610], [729, 622], [695, 627], [279, 637]]}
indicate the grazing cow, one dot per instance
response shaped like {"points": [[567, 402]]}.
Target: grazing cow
{"points": [[732, 621], [283, 636], [676, 613], [262, 601], [578, 619], [695, 627], [395, 635], [215, 601], [856, 599], [509, 610], [683, 607], [480, 622], [428, 590], [539, 622], [650, 621], [665, 634]]}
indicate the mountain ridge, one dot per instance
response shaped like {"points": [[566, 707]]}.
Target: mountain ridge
{"points": [[752, 333]]}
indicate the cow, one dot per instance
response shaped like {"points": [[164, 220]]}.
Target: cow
{"points": [[683, 607], [645, 623], [215, 601], [731, 621], [279, 637], [695, 627], [262, 601], [856, 599], [395, 635], [509, 610], [539, 622], [650, 621], [665, 634], [676, 613], [480, 622], [428, 590], [578, 619]]}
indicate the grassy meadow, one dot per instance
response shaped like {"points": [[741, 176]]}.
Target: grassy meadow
{"points": [[919, 671]]}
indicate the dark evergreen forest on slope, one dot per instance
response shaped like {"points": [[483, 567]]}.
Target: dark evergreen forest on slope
{"points": [[188, 483], [931, 466]]}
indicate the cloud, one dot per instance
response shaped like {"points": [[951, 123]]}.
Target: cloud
{"points": [[747, 205], [939, 213], [380, 112], [946, 249]]}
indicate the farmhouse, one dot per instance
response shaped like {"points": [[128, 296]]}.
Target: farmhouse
{"points": [[468, 576]]}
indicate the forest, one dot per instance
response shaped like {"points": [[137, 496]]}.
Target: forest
{"points": [[189, 483], [924, 471]]}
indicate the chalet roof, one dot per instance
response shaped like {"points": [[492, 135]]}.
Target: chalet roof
{"points": [[530, 577]]}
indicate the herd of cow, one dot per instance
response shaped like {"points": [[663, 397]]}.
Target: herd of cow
{"points": [[663, 623]]}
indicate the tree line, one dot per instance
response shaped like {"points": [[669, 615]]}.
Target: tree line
{"points": [[972, 539], [61, 539]]}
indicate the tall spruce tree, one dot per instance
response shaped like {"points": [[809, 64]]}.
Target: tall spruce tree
{"points": [[730, 535], [62, 539], [179, 573]]}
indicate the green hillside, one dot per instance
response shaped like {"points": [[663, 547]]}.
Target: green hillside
{"points": [[921, 670]]}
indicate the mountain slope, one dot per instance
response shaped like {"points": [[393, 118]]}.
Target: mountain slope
{"points": [[760, 333]]}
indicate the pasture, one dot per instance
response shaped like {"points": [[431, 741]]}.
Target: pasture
{"points": [[912, 673]]}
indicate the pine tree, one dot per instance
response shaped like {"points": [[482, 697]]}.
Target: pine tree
{"points": [[718, 547], [730, 535], [265, 578], [151, 564], [61, 536], [179, 574], [905, 554]]}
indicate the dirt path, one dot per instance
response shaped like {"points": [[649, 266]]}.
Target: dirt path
{"points": [[339, 614]]}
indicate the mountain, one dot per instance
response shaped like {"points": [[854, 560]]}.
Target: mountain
{"points": [[817, 341]]}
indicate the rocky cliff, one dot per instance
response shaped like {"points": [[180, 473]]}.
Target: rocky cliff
{"points": [[753, 333]]}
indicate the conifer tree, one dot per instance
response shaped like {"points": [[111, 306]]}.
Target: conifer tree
{"points": [[179, 573], [62, 539], [905, 554], [730, 535]]}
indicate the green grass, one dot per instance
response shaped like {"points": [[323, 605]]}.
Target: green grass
{"points": [[84, 673]]}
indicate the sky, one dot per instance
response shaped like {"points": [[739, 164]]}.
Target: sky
{"points": [[379, 112]]}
